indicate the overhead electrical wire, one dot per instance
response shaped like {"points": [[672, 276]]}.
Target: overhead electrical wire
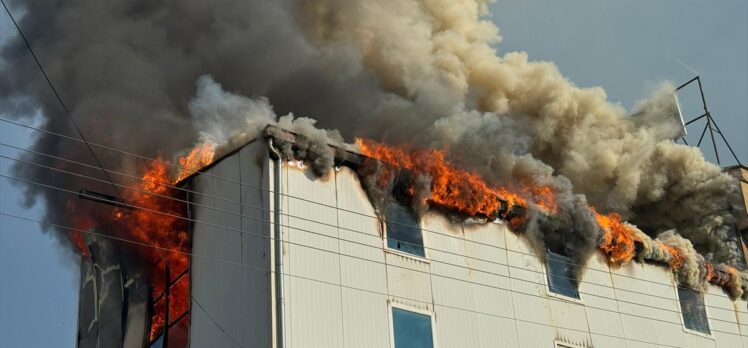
{"points": [[318, 233], [387, 295], [115, 187], [241, 184], [215, 322], [59, 99], [396, 266], [288, 195], [333, 237]]}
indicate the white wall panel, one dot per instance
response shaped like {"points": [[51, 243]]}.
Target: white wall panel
{"points": [[456, 328], [408, 277], [233, 295], [313, 260], [363, 274], [568, 314], [495, 331], [365, 319], [486, 247], [600, 340], [533, 335], [630, 290], [722, 318], [315, 317]]}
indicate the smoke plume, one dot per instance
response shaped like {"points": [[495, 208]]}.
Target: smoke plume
{"points": [[424, 72]]}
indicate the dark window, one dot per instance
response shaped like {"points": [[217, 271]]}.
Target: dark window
{"points": [[561, 279], [403, 231], [411, 330], [693, 310]]}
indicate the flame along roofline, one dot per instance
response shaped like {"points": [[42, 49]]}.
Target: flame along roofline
{"points": [[347, 156], [342, 156], [353, 159]]}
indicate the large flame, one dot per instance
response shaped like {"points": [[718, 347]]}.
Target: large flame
{"points": [[157, 222], [676, 255], [451, 187], [199, 157], [618, 237]]}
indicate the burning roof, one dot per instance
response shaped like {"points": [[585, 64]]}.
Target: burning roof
{"points": [[429, 180]]}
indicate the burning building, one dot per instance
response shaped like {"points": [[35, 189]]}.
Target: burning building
{"points": [[283, 254], [508, 206]]}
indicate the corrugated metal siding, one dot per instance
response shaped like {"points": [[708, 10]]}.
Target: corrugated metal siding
{"points": [[484, 285], [723, 318], [365, 314], [315, 307], [231, 296]]}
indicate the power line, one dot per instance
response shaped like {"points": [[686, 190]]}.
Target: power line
{"points": [[328, 236], [287, 195], [201, 173], [433, 303], [241, 184], [407, 268], [215, 322], [68, 113], [59, 99]]}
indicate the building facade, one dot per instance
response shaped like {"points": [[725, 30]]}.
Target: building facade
{"points": [[344, 276]]}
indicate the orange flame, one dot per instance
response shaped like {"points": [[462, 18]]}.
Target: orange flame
{"points": [[544, 198], [77, 239], [81, 222], [157, 222], [199, 157], [710, 275], [453, 188], [676, 257], [618, 237], [716, 278]]}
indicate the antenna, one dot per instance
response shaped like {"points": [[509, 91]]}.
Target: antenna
{"points": [[710, 125]]}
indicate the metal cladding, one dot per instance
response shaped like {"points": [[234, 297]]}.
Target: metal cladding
{"points": [[482, 283], [399, 184]]}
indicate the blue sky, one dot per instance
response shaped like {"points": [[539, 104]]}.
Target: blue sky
{"points": [[627, 47]]}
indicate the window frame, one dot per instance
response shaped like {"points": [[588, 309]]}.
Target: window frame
{"points": [[391, 305], [551, 293], [385, 238], [682, 319], [562, 344]]}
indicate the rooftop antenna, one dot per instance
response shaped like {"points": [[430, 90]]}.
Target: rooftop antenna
{"points": [[710, 125]]}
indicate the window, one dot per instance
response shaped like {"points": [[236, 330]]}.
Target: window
{"points": [[561, 279], [176, 287], [693, 310], [411, 329], [403, 231], [565, 345]]}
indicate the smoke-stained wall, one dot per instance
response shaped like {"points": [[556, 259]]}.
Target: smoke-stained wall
{"points": [[425, 72]]}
